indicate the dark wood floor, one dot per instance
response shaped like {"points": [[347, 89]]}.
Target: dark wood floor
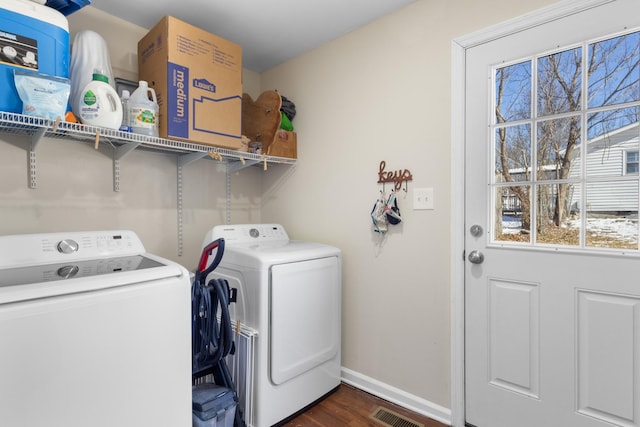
{"points": [[349, 406]]}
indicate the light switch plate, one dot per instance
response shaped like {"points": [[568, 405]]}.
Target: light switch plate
{"points": [[422, 198]]}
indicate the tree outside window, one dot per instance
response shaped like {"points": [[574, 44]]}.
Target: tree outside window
{"points": [[561, 120]]}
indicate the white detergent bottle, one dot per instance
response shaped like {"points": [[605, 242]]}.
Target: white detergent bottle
{"points": [[143, 110], [99, 103]]}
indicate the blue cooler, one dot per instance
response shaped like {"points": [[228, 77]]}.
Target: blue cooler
{"points": [[32, 37], [67, 7]]}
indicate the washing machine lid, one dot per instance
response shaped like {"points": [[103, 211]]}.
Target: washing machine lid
{"points": [[52, 264], [74, 270]]}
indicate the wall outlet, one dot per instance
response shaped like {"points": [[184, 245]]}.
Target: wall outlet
{"points": [[422, 198]]}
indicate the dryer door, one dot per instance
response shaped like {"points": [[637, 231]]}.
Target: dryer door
{"points": [[305, 316]]}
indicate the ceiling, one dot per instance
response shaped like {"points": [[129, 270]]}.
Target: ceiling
{"points": [[269, 31]]}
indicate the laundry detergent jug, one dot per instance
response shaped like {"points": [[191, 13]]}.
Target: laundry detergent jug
{"points": [[143, 110], [99, 104], [89, 53]]}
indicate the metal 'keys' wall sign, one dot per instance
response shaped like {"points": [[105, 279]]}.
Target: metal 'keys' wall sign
{"points": [[397, 177]]}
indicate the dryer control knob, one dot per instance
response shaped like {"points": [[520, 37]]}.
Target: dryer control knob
{"points": [[67, 246], [254, 232]]}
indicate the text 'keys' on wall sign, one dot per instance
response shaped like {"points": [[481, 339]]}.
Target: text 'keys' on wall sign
{"points": [[397, 177]]}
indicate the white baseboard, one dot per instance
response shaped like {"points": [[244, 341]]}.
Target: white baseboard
{"points": [[397, 396]]}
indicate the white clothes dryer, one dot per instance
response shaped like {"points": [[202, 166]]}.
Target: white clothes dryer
{"points": [[289, 291]]}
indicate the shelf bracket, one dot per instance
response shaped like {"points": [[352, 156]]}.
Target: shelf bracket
{"points": [[118, 154], [235, 166], [186, 159], [32, 170], [228, 193], [116, 175], [36, 138], [179, 203], [125, 149]]}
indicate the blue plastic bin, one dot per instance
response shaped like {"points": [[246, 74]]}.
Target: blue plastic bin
{"points": [[213, 406]]}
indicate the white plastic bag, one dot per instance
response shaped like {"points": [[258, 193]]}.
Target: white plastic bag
{"points": [[42, 95]]}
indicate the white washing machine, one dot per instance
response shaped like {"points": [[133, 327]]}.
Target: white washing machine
{"points": [[94, 331], [290, 292]]}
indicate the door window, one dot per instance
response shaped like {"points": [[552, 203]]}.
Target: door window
{"points": [[565, 130]]}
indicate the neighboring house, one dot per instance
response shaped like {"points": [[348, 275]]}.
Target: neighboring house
{"points": [[610, 158], [613, 155]]}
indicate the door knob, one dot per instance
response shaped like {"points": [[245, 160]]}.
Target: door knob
{"points": [[476, 257]]}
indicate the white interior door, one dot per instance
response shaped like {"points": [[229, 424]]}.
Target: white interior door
{"points": [[552, 290]]}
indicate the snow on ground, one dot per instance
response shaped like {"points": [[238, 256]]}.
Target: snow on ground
{"points": [[622, 228], [511, 224]]}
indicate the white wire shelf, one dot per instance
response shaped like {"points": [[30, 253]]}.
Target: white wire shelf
{"points": [[36, 127]]}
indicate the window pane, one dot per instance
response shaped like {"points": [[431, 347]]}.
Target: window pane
{"points": [[512, 214], [513, 153], [631, 166], [612, 214], [612, 134], [613, 71], [513, 92], [559, 82], [558, 143], [557, 213]]}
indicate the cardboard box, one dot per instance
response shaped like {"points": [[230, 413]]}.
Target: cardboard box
{"points": [[284, 145], [197, 77]]}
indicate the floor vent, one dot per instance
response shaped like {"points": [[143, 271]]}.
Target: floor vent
{"points": [[392, 419]]}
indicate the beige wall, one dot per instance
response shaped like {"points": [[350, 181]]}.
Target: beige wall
{"points": [[379, 93], [382, 93]]}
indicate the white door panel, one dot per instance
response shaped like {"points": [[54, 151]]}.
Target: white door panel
{"points": [[304, 318], [552, 332], [514, 311], [607, 386]]}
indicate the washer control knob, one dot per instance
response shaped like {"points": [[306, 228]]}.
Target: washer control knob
{"points": [[68, 271], [67, 246], [254, 232]]}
